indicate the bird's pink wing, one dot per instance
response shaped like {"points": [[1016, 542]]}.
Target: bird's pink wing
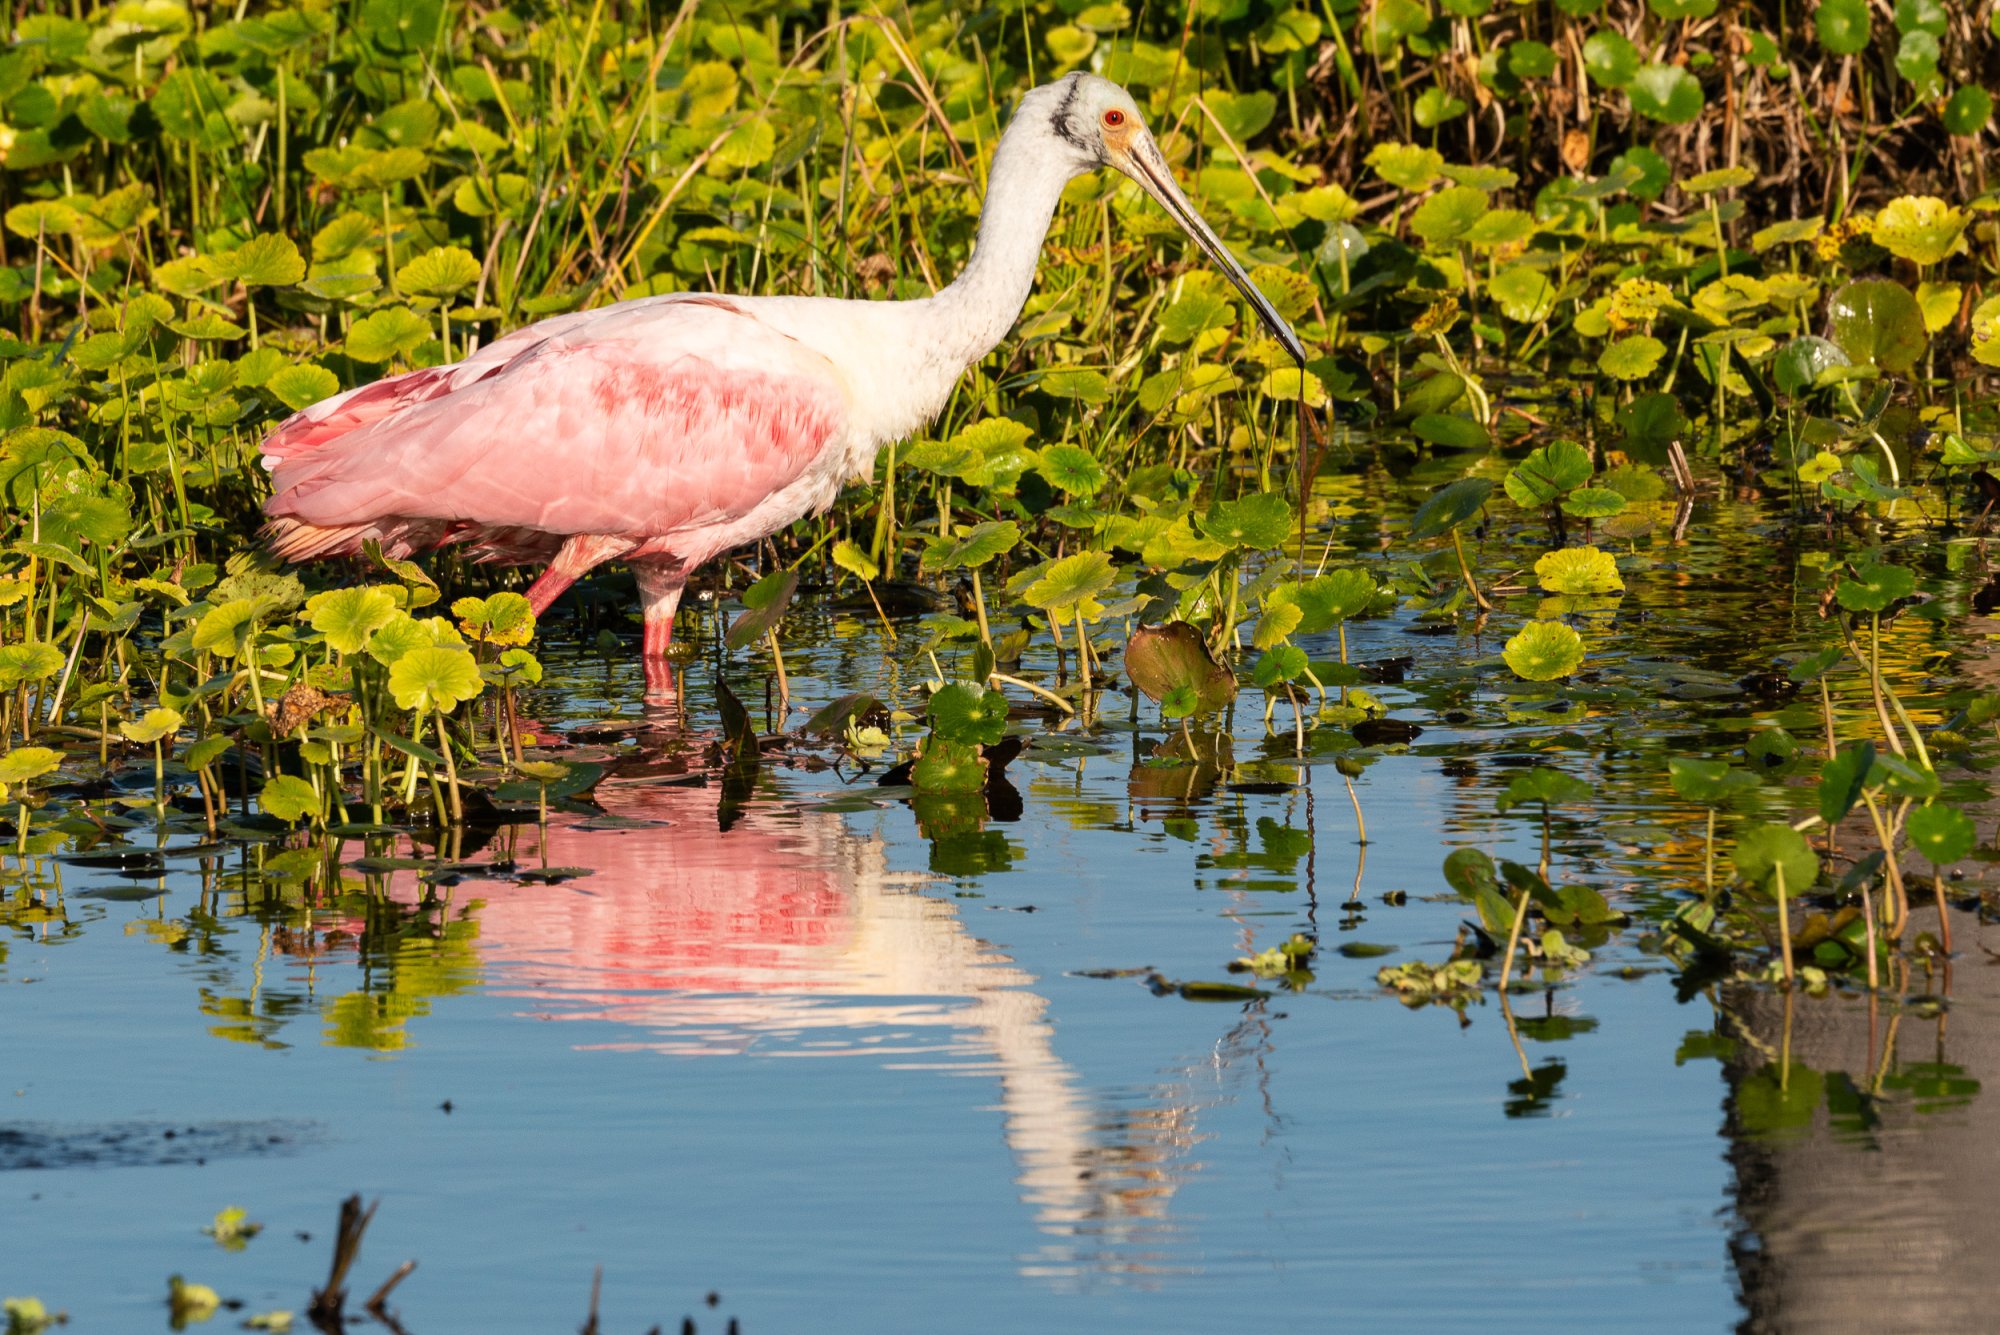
{"points": [[640, 421], [343, 414]]}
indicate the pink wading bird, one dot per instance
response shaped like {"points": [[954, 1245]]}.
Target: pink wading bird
{"points": [[666, 430]]}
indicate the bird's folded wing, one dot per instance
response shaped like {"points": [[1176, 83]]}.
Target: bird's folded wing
{"points": [[643, 421]]}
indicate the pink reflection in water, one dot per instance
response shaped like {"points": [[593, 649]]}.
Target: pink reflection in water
{"points": [[789, 936]]}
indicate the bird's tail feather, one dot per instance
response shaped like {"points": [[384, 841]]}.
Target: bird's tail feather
{"points": [[295, 540]]}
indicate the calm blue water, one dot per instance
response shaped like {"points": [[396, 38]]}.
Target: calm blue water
{"points": [[794, 1064]]}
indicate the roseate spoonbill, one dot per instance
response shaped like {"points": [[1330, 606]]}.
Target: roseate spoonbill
{"points": [[666, 430]]}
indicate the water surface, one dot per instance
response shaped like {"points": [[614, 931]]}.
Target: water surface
{"points": [[854, 1065]]}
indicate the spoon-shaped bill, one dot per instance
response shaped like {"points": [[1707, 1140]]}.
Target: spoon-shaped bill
{"points": [[1143, 162]]}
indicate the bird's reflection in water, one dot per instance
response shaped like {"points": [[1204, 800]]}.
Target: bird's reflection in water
{"points": [[788, 936]]}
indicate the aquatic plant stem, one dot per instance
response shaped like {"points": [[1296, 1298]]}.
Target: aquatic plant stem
{"points": [[784, 686], [1892, 869], [1035, 690], [1514, 1036], [1874, 687], [978, 607], [1784, 922], [1513, 940], [1465, 570], [1868, 930], [1944, 917], [1708, 858]]}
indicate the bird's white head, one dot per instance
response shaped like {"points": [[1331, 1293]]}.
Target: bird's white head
{"points": [[1097, 124]]}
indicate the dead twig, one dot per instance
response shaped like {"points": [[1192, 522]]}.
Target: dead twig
{"points": [[328, 1304]]}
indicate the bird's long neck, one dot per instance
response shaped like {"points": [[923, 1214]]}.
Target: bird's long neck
{"points": [[1022, 190]]}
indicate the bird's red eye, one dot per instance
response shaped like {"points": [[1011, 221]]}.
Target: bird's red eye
{"points": [[1114, 117]]}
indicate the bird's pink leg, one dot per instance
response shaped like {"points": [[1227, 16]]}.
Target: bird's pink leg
{"points": [[577, 557], [660, 586]]}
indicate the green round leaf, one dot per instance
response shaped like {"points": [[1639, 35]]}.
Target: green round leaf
{"points": [[289, 798], [1405, 166], [1917, 57], [1547, 474], [156, 725], [436, 677], [1445, 216], [1594, 503], [1877, 322], [1579, 570], [226, 630], [1449, 506], [1531, 59], [443, 271], [1451, 433], [852, 558], [1765, 848], [1842, 26], [1434, 107], [1722, 178], [764, 605], [1075, 382], [302, 386], [1325, 601], [1070, 582], [1610, 58], [1281, 664], [1072, 471], [1920, 228], [1633, 357], [1524, 294], [1709, 782], [1800, 363], [515, 667], [1666, 93], [26, 763], [28, 662], [945, 766], [1257, 522], [264, 261], [1653, 171], [969, 714], [347, 617], [395, 331], [968, 548], [1542, 785], [1544, 651], [1922, 16], [1875, 587], [1969, 110], [1942, 834]]}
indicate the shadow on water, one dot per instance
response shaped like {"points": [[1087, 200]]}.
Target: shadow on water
{"points": [[1864, 1152]]}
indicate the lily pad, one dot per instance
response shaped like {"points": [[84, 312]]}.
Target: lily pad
{"points": [[1164, 659], [969, 714], [764, 605], [1449, 506], [1579, 570], [1544, 651], [1765, 848], [1942, 834], [1799, 364], [1920, 228], [1878, 323]]}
